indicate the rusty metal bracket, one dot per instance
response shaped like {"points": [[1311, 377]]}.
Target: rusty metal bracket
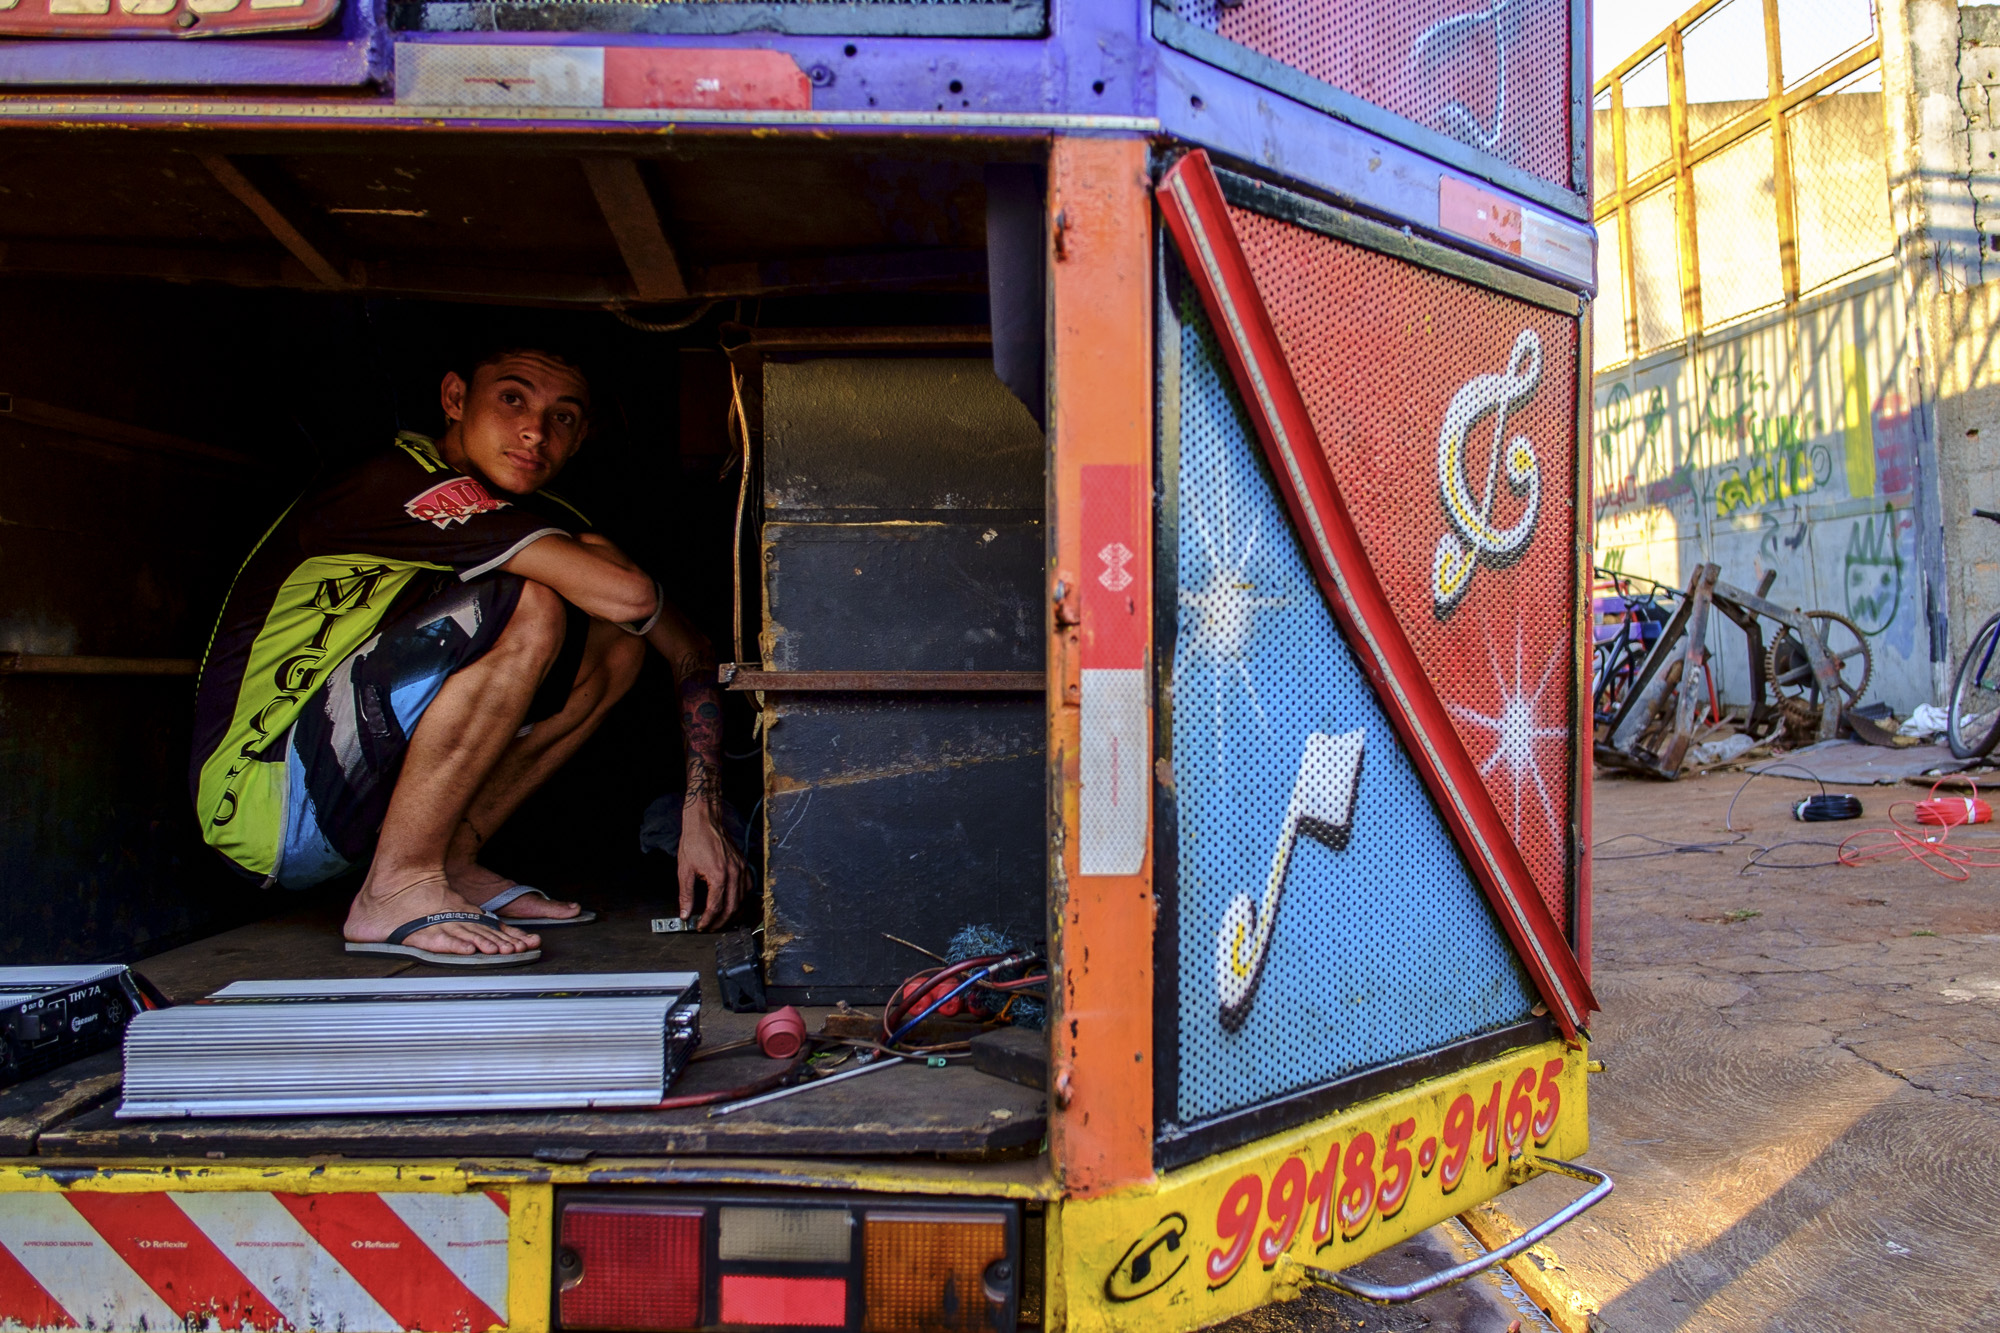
{"points": [[1633, 738]]}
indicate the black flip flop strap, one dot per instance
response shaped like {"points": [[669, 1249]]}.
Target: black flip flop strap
{"points": [[409, 928]]}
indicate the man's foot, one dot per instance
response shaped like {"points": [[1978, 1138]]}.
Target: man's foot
{"points": [[476, 884], [378, 911]]}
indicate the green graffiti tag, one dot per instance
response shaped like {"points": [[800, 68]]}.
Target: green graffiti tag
{"points": [[1874, 572], [1778, 463]]}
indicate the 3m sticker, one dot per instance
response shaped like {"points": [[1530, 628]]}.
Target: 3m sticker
{"points": [[1115, 758]]}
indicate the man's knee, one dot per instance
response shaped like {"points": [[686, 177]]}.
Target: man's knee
{"points": [[535, 626]]}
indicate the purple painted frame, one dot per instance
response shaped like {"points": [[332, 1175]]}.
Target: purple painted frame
{"points": [[1097, 71]]}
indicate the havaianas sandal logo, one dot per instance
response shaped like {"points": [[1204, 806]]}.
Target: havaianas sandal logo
{"points": [[1475, 539], [452, 501]]}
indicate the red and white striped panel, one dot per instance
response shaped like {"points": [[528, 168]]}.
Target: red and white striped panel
{"points": [[365, 1263]]}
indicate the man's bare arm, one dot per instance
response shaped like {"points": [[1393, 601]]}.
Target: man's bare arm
{"points": [[705, 853], [591, 574]]}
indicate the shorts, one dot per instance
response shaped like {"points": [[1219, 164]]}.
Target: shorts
{"points": [[345, 751]]}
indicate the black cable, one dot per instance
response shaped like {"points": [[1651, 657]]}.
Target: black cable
{"points": [[1827, 808]]}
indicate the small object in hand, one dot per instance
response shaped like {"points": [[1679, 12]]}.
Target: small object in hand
{"points": [[781, 1032], [670, 925]]}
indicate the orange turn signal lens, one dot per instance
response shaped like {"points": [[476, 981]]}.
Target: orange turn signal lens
{"points": [[936, 1271]]}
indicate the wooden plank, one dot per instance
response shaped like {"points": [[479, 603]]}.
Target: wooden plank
{"points": [[30, 412], [58, 664], [841, 682], [635, 225], [913, 1109], [288, 225], [1536, 1270], [28, 1108]]}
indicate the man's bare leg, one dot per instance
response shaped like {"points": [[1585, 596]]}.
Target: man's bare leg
{"points": [[451, 754], [611, 662]]}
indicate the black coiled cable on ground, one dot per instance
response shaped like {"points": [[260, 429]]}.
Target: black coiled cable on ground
{"points": [[1827, 808]]}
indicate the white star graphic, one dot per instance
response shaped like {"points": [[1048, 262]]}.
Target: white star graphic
{"points": [[1225, 604], [1517, 735]]}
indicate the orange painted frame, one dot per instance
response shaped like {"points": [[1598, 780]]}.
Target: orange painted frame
{"points": [[1100, 264]]}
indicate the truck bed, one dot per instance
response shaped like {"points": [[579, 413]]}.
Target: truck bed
{"points": [[953, 1112]]}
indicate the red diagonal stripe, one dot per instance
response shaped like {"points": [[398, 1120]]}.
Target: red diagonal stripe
{"points": [[1193, 208], [176, 1259], [390, 1261], [24, 1301]]}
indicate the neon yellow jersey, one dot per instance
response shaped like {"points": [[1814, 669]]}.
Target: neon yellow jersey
{"points": [[315, 589]]}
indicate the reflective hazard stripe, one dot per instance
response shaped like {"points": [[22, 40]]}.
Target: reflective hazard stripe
{"points": [[251, 1260], [378, 1248], [267, 1244], [468, 1233], [176, 1259], [76, 1266]]}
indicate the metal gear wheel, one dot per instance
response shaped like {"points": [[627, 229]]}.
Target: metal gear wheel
{"points": [[1789, 669]]}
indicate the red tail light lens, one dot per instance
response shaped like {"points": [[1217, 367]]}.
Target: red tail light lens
{"points": [[635, 1267], [784, 1302]]}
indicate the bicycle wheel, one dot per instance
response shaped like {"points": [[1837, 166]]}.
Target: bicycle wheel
{"points": [[1973, 723]]}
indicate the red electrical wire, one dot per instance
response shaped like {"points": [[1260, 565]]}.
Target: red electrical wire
{"points": [[1932, 850]]}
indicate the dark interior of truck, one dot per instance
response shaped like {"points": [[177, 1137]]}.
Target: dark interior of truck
{"points": [[199, 325]]}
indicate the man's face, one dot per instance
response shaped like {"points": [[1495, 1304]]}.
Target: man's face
{"points": [[520, 420]]}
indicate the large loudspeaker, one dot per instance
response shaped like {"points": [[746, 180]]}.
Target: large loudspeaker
{"points": [[1369, 872]]}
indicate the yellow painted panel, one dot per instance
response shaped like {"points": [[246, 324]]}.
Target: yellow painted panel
{"points": [[531, 1213], [1215, 1239], [1858, 423]]}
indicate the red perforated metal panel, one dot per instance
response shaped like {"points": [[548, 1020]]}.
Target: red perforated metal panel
{"points": [[1452, 430], [1492, 74]]}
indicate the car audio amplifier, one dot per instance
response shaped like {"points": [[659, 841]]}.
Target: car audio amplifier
{"points": [[51, 1015], [415, 1044]]}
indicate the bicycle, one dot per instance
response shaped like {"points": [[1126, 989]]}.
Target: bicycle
{"points": [[1972, 724]]}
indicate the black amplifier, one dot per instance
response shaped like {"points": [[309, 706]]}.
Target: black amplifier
{"points": [[51, 1015]]}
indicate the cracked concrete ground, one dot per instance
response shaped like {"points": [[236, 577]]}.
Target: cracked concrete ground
{"points": [[1802, 1101]]}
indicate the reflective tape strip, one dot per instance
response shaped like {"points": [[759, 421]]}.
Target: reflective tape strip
{"points": [[176, 1258], [26, 1302], [295, 1273], [468, 1232], [1113, 804], [384, 1255], [75, 1265]]}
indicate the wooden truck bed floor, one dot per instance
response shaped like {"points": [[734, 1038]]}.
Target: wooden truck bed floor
{"points": [[916, 1110]]}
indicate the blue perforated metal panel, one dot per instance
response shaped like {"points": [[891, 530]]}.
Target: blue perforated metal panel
{"points": [[1292, 790]]}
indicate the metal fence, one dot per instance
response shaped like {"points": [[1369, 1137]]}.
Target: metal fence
{"points": [[1739, 165]]}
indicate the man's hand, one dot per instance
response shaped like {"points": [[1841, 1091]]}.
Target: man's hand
{"points": [[706, 854]]}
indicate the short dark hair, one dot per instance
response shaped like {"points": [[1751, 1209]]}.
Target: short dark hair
{"points": [[470, 362]]}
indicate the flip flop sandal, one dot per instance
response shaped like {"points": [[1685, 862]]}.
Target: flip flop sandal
{"points": [[505, 896], [394, 944]]}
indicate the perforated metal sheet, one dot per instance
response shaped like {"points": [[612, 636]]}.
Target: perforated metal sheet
{"points": [[1492, 74], [1449, 414], [1291, 788]]}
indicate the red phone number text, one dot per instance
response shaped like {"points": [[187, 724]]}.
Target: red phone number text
{"points": [[1372, 1179]]}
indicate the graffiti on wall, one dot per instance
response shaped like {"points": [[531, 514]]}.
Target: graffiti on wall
{"points": [[1787, 451]]}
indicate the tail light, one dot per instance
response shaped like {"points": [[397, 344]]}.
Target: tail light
{"points": [[933, 1270], [641, 1261], [644, 1265]]}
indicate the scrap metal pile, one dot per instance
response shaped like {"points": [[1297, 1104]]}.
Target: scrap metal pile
{"points": [[1653, 685]]}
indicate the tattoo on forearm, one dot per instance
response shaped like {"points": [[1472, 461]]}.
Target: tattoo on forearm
{"points": [[701, 723]]}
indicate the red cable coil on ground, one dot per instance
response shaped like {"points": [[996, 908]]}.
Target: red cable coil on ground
{"points": [[1947, 860]]}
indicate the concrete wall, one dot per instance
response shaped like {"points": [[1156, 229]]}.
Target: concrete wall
{"points": [[1788, 444]]}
